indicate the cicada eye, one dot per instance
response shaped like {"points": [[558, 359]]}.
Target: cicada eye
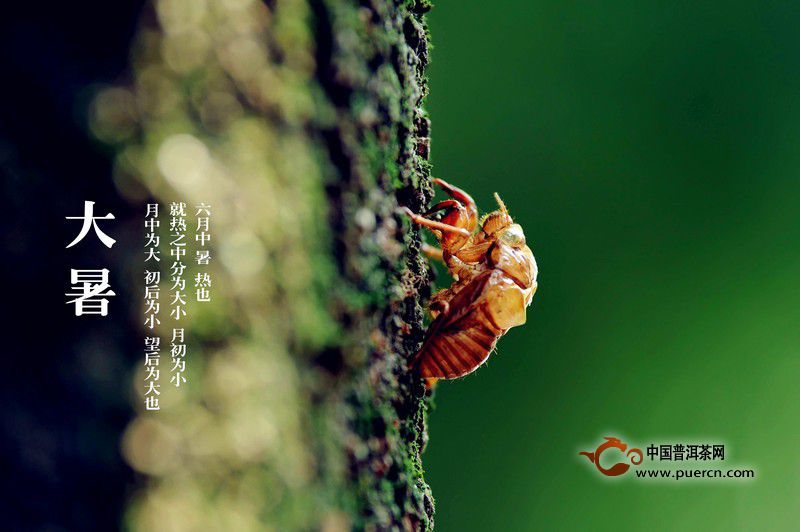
{"points": [[513, 236]]}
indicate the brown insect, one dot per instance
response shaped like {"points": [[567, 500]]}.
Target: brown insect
{"points": [[494, 276]]}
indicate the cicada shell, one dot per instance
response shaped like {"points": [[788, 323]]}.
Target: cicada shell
{"points": [[495, 274]]}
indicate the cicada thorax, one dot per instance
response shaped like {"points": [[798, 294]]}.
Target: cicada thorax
{"points": [[518, 264]]}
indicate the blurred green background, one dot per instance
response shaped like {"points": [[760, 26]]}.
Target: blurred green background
{"points": [[650, 151]]}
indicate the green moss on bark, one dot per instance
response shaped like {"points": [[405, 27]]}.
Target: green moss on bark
{"points": [[378, 148]]}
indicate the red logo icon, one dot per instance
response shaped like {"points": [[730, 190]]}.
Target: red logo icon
{"points": [[635, 456]]}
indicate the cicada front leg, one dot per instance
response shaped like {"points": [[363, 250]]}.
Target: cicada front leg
{"points": [[458, 221], [435, 225]]}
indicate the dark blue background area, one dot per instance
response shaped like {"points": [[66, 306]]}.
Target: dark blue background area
{"points": [[65, 385]]}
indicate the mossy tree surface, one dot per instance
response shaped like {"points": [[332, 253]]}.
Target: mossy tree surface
{"points": [[301, 122]]}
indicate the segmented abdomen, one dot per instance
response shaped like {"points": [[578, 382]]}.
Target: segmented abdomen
{"points": [[460, 348]]}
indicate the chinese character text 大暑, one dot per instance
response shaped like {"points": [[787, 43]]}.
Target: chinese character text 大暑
{"points": [[90, 288]]}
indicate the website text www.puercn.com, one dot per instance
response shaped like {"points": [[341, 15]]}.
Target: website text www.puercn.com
{"points": [[679, 474]]}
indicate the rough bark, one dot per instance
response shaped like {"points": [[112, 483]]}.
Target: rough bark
{"points": [[302, 123]]}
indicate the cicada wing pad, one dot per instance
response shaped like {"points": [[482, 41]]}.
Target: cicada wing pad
{"points": [[460, 341]]}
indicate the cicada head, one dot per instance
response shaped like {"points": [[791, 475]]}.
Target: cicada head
{"points": [[500, 227], [495, 222]]}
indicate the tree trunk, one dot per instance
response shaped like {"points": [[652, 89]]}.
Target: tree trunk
{"points": [[302, 123]]}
